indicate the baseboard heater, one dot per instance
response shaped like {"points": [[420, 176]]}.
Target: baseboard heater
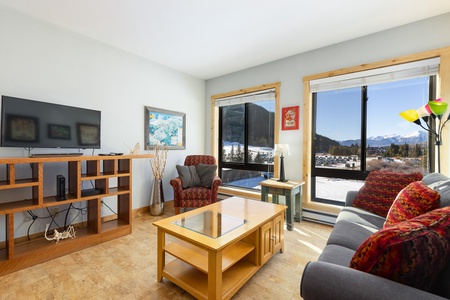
{"points": [[319, 217]]}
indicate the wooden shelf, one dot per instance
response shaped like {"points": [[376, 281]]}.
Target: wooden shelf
{"points": [[198, 257], [19, 183], [18, 206], [103, 175], [196, 282], [15, 256]]}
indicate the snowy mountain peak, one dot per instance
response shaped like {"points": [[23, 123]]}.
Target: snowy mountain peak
{"points": [[415, 137]]}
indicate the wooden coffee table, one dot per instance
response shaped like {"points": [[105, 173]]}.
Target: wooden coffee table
{"points": [[215, 249]]}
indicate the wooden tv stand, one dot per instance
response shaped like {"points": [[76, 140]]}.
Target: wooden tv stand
{"points": [[15, 255]]}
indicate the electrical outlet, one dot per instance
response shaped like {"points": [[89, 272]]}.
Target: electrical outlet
{"points": [[54, 211]]}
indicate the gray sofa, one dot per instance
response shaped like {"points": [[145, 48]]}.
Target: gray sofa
{"points": [[331, 278]]}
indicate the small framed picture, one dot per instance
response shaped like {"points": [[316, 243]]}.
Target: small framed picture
{"points": [[88, 134], [61, 132], [22, 128], [290, 118]]}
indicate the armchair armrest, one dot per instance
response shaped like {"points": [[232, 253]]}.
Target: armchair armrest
{"points": [[177, 187], [215, 187], [326, 281]]}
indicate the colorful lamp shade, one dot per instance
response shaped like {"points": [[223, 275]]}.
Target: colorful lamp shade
{"points": [[424, 112], [432, 108], [438, 107], [411, 115]]}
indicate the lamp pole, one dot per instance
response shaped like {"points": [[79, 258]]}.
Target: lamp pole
{"points": [[282, 176]]}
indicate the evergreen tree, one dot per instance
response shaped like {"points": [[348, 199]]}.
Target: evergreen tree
{"points": [[239, 154], [231, 155], [258, 158]]}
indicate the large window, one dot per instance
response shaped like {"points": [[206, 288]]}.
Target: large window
{"points": [[358, 129], [246, 127]]}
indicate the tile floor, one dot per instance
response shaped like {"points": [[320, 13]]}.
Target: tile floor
{"points": [[125, 268]]}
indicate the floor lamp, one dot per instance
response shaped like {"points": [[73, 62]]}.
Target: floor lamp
{"points": [[281, 150], [435, 109]]}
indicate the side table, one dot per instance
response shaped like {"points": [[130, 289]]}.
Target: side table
{"points": [[292, 190]]}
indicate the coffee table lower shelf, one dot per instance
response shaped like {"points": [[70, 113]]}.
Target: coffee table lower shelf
{"points": [[195, 282]]}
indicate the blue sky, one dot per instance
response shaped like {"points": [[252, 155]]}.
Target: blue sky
{"points": [[340, 111]]}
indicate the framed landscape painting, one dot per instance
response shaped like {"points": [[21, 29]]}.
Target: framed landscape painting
{"points": [[164, 127]]}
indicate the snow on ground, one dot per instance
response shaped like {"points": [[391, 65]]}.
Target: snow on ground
{"points": [[327, 188], [335, 189]]}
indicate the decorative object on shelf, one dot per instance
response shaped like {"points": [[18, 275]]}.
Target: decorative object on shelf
{"points": [[136, 149], [433, 109], [290, 118], [281, 150], [165, 127], [158, 164], [68, 233]]}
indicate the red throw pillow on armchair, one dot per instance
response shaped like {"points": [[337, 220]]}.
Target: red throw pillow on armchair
{"points": [[380, 190]]}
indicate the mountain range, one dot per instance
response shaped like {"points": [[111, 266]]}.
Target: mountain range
{"points": [[415, 137]]}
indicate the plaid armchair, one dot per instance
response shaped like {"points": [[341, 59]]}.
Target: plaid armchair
{"points": [[195, 196]]}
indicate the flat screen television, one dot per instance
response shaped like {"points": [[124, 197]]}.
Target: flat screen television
{"points": [[35, 124]]}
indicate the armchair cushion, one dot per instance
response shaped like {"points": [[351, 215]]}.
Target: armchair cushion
{"points": [[206, 174], [188, 175]]}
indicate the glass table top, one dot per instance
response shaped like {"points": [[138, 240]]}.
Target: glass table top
{"points": [[210, 223]]}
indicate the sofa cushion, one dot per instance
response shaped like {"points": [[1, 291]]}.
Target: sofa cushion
{"points": [[412, 252], [412, 201], [188, 175], [431, 178], [340, 234], [361, 216], [337, 255], [380, 189]]}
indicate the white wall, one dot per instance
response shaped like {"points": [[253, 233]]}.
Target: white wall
{"points": [[43, 62], [416, 37]]}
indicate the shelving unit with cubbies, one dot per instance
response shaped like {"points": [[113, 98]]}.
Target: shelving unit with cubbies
{"points": [[100, 170]]}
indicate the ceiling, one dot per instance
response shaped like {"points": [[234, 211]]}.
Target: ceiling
{"points": [[210, 38]]}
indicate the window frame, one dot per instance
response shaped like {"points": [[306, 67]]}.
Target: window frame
{"points": [[362, 173], [245, 165], [215, 132], [443, 91]]}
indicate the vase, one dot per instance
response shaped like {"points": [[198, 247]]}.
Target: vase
{"points": [[157, 198]]}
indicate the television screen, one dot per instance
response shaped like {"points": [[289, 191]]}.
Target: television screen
{"points": [[34, 124]]}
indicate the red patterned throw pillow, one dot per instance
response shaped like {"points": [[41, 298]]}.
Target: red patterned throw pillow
{"points": [[380, 189], [412, 252], [414, 200]]}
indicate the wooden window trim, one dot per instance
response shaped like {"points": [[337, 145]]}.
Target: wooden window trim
{"points": [[443, 91], [215, 118]]}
